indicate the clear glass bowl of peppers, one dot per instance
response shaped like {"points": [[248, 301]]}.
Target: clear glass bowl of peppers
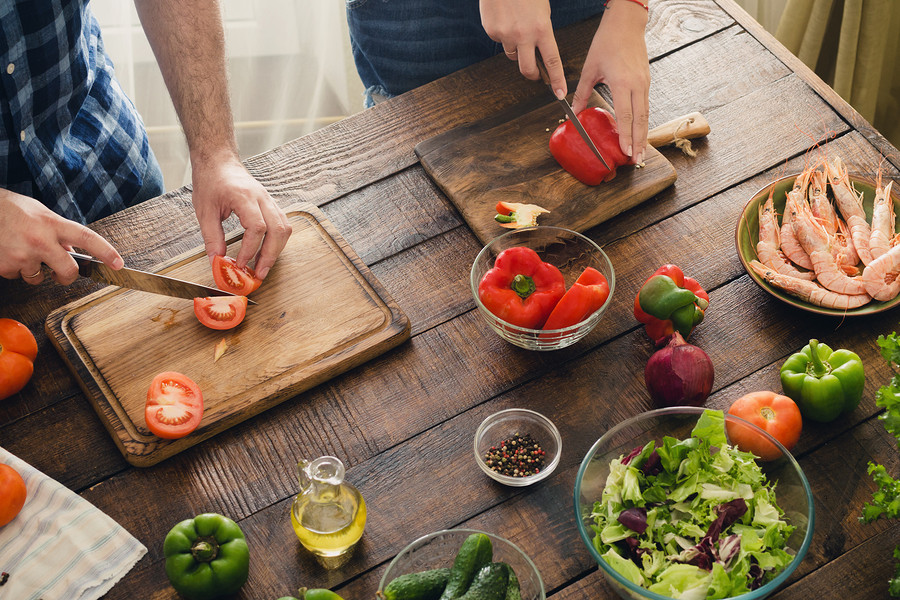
{"points": [[517, 446], [542, 288]]}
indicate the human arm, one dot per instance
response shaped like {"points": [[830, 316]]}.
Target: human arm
{"points": [[31, 235], [523, 26], [618, 57], [189, 44]]}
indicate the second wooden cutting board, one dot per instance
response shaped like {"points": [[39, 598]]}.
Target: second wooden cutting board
{"points": [[320, 312], [506, 157]]}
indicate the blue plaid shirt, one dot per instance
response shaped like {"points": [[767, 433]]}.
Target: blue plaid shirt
{"points": [[69, 136]]}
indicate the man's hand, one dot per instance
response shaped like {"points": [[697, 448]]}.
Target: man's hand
{"points": [[224, 186], [31, 235], [523, 26], [618, 58]]}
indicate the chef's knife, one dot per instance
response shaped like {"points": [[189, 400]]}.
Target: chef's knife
{"points": [[569, 112], [144, 281]]}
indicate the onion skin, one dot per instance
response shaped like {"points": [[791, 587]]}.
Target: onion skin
{"points": [[679, 374]]}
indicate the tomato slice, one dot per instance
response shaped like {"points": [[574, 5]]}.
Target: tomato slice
{"points": [[221, 312], [174, 405], [231, 278]]}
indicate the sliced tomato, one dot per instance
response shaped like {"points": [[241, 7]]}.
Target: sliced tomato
{"points": [[231, 278], [174, 405], [221, 312]]}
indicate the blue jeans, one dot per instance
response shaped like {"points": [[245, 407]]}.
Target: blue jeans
{"points": [[399, 45]]}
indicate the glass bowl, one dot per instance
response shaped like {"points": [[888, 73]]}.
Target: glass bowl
{"points": [[438, 549], [792, 490], [567, 250], [505, 424]]}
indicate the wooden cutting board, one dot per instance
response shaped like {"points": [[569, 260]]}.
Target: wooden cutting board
{"points": [[506, 157], [320, 312]]}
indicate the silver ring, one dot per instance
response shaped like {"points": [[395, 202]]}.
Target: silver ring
{"points": [[39, 271]]}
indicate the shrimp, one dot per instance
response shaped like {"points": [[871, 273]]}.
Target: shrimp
{"points": [[841, 245], [883, 219], [789, 244], [809, 291], [815, 241], [880, 275], [767, 249], [849, 203]]}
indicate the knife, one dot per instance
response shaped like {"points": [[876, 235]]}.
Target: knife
{"points": [[569, 112], [144, 281]]}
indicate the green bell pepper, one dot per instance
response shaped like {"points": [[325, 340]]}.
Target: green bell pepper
{"points": [[825, 384], [206, 557]]}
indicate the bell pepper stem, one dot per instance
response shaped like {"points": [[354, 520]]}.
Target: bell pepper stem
{"points": [[819, 369], [204, 550], [523, 285]]}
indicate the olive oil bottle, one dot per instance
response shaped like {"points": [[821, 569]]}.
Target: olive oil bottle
{"points": [[329, 514]]}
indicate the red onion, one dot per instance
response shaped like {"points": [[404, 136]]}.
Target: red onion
{"points": [[679, 374]]}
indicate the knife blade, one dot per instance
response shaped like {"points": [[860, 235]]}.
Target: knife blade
{"points": [[569, 112], [144, 281]]}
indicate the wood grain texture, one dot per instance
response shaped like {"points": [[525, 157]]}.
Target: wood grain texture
{"points": [[319, 314], [506, 157]]}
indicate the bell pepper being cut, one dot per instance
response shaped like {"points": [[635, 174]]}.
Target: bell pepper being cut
{"points": [[587, 294], [825, 384], [574, 155], [206, 557], [521, 289], [670, 302]]}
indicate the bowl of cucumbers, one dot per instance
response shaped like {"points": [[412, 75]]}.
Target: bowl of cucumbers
{"points": [[452, 562]]}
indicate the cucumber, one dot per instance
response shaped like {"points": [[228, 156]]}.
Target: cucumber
{"points": [[425, 585], [513, 590], [490, 583], [476, 552]]}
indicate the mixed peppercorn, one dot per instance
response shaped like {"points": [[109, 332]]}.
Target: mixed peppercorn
{"points": [[518, 456]]}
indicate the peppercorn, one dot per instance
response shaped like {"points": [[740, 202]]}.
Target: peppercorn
{"points": [[518, 456]]}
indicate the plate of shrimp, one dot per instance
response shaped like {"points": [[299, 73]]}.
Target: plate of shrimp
{"points": [[824, 240]]}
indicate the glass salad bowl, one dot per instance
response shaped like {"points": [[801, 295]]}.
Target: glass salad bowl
{"points": [[611, 550], [568, 251], [439, 549]]}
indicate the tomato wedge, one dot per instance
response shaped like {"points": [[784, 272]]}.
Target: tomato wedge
{"points": [[587, 294], [18, 349], [231, 278], [174, 405], [221, 312]]}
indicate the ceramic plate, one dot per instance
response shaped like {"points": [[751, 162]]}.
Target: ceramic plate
{"points": [[747, 235]]}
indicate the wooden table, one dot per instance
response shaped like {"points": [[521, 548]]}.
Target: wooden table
{"points": [[403, 422]]}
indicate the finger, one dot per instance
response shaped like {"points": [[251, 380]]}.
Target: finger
{"points": [[254, 225], [624, 120], [32, 276], [76, 235], [278, 231], [582, 94], [528, 62], [64, 269], [511, 54], [212, 232], [640, 125], [553, 63]]}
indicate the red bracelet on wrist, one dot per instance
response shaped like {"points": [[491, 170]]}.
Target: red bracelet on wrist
{"points": [[643, 5]]}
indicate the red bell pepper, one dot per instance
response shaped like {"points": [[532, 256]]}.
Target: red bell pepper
{"points": [[587, 294], [521, 289], [668, 302], [574, 155]]}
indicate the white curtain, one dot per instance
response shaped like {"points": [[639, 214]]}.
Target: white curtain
{"points": [[290, 72]]}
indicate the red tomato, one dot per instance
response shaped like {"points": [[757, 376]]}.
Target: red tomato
{"points": [[231, 278], [18, 349], [12, 494], [775, 414], [574, 155], [221, 312], [586, 295], [174, 406]]}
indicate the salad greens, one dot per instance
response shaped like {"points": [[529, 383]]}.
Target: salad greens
{"points": [[693, 518]]}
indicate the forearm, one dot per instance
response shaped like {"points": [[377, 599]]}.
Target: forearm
{"points": [[188, 41]]}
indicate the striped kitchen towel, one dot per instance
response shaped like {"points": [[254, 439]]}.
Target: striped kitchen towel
{"points": [[60, 546]]}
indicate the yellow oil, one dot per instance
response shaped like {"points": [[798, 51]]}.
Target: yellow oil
{"points": [[331, 529]]}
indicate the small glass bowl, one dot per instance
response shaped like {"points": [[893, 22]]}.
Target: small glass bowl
{"points": [[437, 550], [506, 423], [568, 251], [792, 490]]}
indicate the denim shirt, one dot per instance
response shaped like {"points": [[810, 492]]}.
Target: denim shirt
{"points": [[69, 136]]}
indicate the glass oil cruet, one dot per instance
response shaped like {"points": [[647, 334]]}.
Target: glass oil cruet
{"points": [[329, 514]]}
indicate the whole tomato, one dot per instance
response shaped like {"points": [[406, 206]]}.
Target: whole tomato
{"points": [[775, 414], [18, 349], [12, 494], [574, 155]]}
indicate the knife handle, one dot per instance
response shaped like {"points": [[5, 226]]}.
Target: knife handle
{"points": [[686, 127], [545, 76], [85, 263]]}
